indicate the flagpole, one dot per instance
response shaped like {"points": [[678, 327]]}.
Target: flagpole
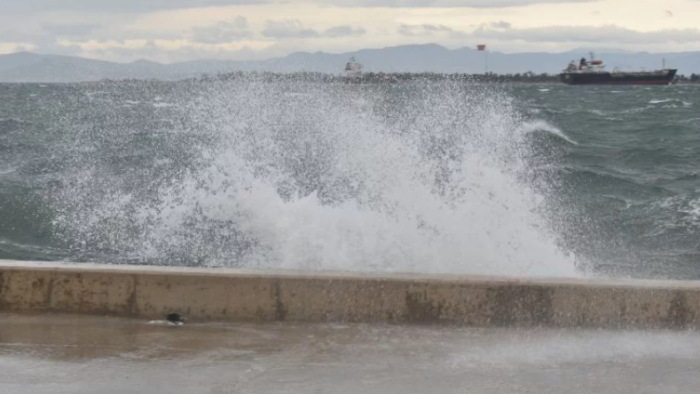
{"points": [[486, 62], [482, 48]]}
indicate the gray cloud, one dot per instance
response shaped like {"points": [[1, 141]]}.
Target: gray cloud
{"points": [[52, 47], [428, 30], [16, 35], [39, 6], [446, 3], [414, 31], [503, 31], [49, 44], [344, 31], [155, 52], [70, 30], [593, 34], [293, 28], [500, 25], [131, 6], [222, 32]]}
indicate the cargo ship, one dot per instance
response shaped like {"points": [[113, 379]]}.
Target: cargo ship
{"points": [[592, 72]]}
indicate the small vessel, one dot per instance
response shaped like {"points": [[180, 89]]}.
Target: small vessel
{"points": [[353, 69], [592, 72]]}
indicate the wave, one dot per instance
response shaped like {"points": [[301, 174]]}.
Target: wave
{"points": [[636, 109], [596, 112], [687, 206], [630, 188], [10, 250], [541, 125], [12, 122], [677, 215], [663, 101], [160, 104], [336, 181], [660, 155]]}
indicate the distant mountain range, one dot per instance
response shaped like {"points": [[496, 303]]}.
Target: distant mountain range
{"points": [[31, 67]]}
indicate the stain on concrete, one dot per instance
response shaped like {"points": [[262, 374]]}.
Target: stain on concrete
{"points": [[4, 305], [132, 305], [38, 284], [679, 313], [260, 313], [280, 309], [420, 308], [48, 302], [516, 305]]}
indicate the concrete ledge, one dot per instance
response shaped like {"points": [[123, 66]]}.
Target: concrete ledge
{"points": [[235, 295]]}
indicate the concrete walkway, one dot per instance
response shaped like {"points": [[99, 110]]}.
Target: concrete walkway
{"points": [[80, 354]]}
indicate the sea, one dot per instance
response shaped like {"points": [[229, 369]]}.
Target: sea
{"points": [[432, 177]]}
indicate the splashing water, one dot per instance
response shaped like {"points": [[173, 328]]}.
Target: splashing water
{"points": [[415, 178]]}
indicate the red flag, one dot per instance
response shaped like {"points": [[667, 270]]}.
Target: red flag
{"points": [[481, 47]]}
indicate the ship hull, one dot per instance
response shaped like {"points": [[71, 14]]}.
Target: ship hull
{"points": [[664, 77]]}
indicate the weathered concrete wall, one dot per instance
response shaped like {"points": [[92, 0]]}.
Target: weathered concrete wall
{"points": [[231, 295]]}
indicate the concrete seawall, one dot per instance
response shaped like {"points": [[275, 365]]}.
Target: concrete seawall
{"points": [[235, 295]]}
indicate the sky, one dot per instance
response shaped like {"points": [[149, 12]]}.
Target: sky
{"points": [[181, 30]]}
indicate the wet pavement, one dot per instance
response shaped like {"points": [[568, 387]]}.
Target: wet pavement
{"points": [[81, 354]]}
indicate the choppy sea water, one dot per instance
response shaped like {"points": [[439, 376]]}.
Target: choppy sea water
{"points": [[541, 180]]}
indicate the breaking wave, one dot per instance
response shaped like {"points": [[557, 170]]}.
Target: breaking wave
{"points": [[329, 178]]}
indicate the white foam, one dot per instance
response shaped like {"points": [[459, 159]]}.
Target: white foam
{"points": [[163, 105], [541, 125], [328, 183]]}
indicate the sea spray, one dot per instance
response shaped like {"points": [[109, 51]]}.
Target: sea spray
{"points": [[411, 178]]}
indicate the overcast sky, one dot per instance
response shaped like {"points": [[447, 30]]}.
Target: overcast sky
{"points": [[177, 30]]}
